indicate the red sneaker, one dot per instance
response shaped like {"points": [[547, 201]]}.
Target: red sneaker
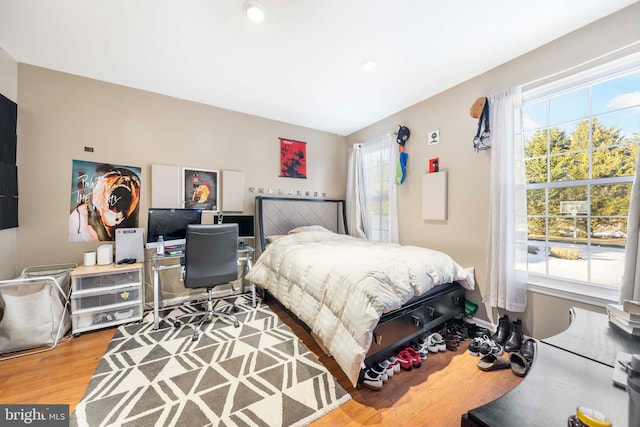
{"points": [[415, 357], [405, 359]]}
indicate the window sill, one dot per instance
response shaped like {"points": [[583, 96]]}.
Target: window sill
{"points": [[574, 291]]}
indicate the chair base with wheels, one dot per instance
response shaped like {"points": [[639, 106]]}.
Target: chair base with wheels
{"points": [[208, 315]]}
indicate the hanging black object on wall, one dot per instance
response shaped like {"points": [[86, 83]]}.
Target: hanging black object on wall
{"points": [[482, 140], [8, 167]]}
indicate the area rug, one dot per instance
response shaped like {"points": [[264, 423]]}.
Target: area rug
{"points": [[259, 374]]}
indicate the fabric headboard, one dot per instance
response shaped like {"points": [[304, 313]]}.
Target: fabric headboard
{"points": [[278, 215]]}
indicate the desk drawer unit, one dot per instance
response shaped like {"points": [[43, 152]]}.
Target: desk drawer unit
{"points": [[87, 300], [416, 318], [103, 317], [106, 295], [108, 280]]}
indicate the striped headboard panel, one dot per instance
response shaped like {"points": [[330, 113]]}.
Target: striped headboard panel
{"points": [[278, 215]]}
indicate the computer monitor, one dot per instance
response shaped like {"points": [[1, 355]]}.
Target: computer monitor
{"points": [[245, 223], [171, 224]]}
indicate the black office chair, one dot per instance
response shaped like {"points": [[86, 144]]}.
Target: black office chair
{"points": [[210, 259]]}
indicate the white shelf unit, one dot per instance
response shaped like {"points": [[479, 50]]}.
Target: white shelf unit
{"points": [[106, 295]]}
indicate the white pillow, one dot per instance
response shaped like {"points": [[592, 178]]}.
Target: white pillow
{"points": [[308, 228], [273, 238]]}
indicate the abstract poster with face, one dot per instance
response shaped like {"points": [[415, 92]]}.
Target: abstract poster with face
{"points": [[104, 197], [200, 189]]}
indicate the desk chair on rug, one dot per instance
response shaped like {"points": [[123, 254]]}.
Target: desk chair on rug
{"points": [[210, 259]]}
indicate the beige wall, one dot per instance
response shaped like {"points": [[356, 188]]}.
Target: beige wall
{"points": [[464, 233], [60, 114], [8, 88]]}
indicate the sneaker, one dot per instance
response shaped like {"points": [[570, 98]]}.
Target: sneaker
{"points": [[415, 357], [459, 330], [474, 346], [431, 343], [440, 344], [405, 359], [388, 367], [395, 363], [380, 371], [372, 380], [422, 352], [490, 347], [451, 345]]}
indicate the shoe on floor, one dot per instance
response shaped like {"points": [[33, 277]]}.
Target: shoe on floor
{"points": [[493, 362], [474, 346], [461, 330], [422, 352], [405, 359], [388, 367], [372, 381], [490, 347], [514, 341], [451, 345], [379, 370], [415, 357], [519, 364], [439, 341], [395, 363], [431, 344], [528, 349]]}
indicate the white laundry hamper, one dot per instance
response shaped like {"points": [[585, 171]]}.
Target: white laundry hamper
{"points": [[35, 308]]}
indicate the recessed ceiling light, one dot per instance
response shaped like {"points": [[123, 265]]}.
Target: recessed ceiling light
{"points": [[254, 10], [369, 66]]}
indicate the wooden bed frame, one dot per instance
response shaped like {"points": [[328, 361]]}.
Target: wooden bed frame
{"points": [[278, 215]]}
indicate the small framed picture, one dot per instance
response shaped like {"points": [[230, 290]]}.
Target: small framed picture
{"points": [[200, 189]]}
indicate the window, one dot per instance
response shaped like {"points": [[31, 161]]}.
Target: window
{"points": [[376, 167], [371, 203], [581, 138]]}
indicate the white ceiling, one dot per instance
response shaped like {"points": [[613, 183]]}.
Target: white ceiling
{"points": [[302, 65]]}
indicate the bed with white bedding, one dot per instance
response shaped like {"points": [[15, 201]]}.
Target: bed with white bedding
{"points": [[341, 286]]}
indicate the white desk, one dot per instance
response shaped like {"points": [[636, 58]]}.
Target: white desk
{"points": [[245, 259]]}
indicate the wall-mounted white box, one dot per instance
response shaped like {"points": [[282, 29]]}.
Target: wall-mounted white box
{"points": [[434, 196]]}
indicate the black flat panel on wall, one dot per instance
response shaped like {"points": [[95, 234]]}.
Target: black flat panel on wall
{"points": [[9, 182], [8, 167], [8, 212], [7, 146], [8, 114]]}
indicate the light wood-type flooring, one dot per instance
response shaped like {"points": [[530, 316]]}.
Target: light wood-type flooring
{"points": [[437, 394]]}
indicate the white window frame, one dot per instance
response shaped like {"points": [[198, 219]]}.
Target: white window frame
{"points": [[577, 290]]}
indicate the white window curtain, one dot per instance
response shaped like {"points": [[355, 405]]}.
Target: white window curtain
{"points": [[356, 201], [631, 273], [371, 202], [507, 260]]}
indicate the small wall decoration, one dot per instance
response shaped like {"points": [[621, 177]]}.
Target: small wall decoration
{"points": [[104, 197], [293, 158], [200, 189]]}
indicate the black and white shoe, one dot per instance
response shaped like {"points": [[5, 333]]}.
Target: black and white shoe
{"points": [[379, 370], [420, 349], [372, 380]]}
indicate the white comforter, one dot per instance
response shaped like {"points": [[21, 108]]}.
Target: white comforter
{"points": [[340, 285]]}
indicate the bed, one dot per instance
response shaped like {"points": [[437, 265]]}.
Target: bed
{"points": [[359, 298]]}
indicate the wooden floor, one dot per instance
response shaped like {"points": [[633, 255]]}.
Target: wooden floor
{"points": [[446, 386]]}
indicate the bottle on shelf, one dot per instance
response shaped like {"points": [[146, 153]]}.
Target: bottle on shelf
{"points": [[160, 247]]}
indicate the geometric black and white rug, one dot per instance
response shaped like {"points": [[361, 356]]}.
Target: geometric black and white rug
{"points": [[259, 374]]}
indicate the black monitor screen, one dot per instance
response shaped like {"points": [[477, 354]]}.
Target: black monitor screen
{"points": [[171, 224], [245, 223]]}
